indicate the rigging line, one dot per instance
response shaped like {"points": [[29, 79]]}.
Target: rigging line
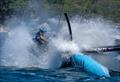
{"points": [[62, 10]]}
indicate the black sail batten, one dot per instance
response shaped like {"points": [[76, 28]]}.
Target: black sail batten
{"points": [[69, 26]]}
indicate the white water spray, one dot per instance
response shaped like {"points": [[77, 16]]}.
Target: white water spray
{"points": [[16, 49], [87, 34], [91, 33]]}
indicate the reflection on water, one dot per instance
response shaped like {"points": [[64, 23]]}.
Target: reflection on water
{"points": [[12, 74]]}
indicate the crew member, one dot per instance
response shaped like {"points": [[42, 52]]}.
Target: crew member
{"points": [[40, 36]]}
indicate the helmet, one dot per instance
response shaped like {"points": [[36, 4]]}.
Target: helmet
{"points": [[42, 29]]}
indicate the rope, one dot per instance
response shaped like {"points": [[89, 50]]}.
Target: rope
{"points": [[62, 10]]}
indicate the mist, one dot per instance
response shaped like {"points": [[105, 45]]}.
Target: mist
{"points": [[20, 50], [90, 33]]}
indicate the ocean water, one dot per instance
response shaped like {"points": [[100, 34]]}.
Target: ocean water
{"points": [[12, 74]]}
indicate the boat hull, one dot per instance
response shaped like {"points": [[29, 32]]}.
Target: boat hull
{"points": [[90, 65]]}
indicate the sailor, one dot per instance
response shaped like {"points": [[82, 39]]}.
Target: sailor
{"points": [[71, 57], [40, 36], [86, 63], [41, 40], [66, 60]]}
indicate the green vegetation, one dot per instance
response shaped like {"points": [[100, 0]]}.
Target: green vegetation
{"points": [[109, 9], [11, 7]]}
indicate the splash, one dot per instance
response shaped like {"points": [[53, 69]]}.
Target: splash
{"points": [[91, 33], [19, 47], [16, 49], [21, 51]]}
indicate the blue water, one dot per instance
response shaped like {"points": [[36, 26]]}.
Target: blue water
{"points": [[12, 74]]}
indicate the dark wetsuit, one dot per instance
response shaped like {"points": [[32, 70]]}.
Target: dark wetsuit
{"points": [[37, 38], [40, 47], [66, 62], [40, 37]]}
